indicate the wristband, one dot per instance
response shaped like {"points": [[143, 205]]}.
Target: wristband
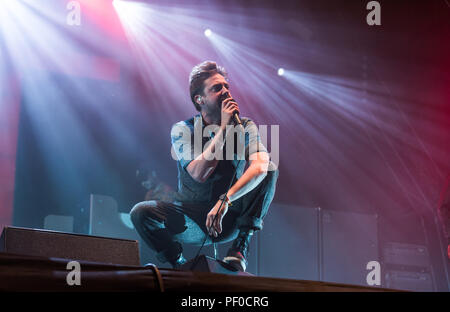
{"points": [[224, 197]]}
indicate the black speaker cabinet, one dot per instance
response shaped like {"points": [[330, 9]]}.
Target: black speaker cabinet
{"points": [[289, 243], [349, 243], [316, 244], [36, 242]]}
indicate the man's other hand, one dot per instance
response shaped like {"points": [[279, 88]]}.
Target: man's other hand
{"points": [[213, 223]]}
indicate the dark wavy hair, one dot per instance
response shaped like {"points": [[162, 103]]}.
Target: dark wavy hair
{"points": [[199, 74]]}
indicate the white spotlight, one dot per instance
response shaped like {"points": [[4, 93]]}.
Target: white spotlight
{"points": [[120, 5], [208, 32], [280, 71]]}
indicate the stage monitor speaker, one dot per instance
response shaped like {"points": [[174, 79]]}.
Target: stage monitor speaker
{"points": [[36, 242]]}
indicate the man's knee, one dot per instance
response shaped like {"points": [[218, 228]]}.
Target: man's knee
{"points": [[142, 209], [271, 176]]}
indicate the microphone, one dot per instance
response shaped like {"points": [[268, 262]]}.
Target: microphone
{"points": [[236, 117], [237, 120]]}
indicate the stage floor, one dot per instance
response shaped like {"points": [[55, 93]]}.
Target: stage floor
{"points": [[30, 273]]}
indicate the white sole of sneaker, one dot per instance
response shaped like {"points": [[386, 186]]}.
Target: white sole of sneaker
{"points": [[236, 261]]}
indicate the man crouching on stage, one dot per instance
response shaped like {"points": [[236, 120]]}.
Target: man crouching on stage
{"points": [[204, 177]]}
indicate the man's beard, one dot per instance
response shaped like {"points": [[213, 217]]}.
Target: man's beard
{"points": [[215, 111]]}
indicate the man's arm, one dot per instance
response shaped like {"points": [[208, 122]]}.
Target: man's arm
{"points": [[203, 166], [255, 173]]}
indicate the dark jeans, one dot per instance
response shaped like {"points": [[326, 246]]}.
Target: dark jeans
{"points": [[165, 225]]}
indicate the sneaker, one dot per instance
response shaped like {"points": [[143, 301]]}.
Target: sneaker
{"points": [[236, 260], [238, 253]]}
